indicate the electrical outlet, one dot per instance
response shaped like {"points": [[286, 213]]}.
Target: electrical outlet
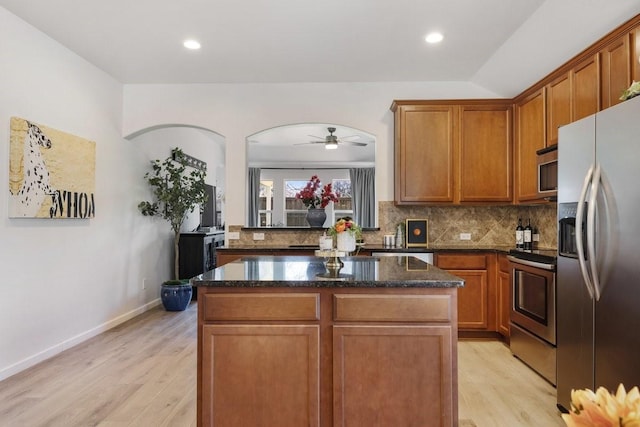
{"points": [[465, 236], [233, 235], [258, 236], [144, 283]]}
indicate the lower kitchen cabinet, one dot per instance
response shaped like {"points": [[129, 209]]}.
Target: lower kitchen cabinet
{"points": [[476, 301], [403, 364], [504, 296], [327, 357], [274, 367]]}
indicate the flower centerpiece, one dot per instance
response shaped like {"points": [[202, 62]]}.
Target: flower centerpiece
{"points": [[316, 197], [602, 409], [346, 231]]}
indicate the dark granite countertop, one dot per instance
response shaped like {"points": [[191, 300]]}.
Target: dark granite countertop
{"points": [[307, 271], [376, 248]]}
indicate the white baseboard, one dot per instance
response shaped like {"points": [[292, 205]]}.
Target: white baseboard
{"points": [[73, 341]]}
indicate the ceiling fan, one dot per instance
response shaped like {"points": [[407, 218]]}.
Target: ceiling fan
{"points": [[331, 141]]}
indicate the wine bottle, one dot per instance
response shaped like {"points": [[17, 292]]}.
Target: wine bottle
{"points": [[527, 236], [519, 235], [535, 238]]}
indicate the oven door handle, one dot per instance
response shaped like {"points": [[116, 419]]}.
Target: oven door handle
{"points": [[534, 264]]}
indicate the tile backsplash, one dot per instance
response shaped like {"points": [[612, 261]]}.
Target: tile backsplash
{"points": [[489, 226]]}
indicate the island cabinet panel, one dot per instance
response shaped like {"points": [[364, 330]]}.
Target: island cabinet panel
{"points": [[424, 154], [392, 376], [380, 356], [393, 308], [504, 296], [616, 70], [530, 137], [476, 300], [486, 157], [260, 375], [261, 306]]}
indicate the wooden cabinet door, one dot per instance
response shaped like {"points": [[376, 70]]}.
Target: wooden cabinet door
{"points": [[530, 137], [635, 54], [424, 154], [586, 88], [616, 70], [476, 310], [473, 299], [504, 296], [558, 106], [260, 376], [485, 154], [393, 376]]}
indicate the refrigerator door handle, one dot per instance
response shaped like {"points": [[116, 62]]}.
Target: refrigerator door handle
{"points": [[580, 215], [591, 231]]}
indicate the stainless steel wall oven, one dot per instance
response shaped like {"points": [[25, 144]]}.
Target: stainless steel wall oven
{"points": [[533, 310]]}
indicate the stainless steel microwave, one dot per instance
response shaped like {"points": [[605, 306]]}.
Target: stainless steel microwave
{"points": [[548, 172]]}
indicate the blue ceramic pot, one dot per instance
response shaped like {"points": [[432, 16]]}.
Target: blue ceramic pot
{"points": [[176, 297]]}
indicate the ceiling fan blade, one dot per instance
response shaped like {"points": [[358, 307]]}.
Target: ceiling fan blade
{"points": [[310, 142], [317, 137], [361, 144], [351, 137]]}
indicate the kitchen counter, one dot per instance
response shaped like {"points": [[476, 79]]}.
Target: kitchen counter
{"points": [[376, 248], [297, 271], [282, 340]]}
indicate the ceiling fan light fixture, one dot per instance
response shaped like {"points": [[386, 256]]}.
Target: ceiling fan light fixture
{"points": [[433, 38], [331, 145]]}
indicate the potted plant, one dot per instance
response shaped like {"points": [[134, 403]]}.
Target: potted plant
{"points": [[176, 192]]}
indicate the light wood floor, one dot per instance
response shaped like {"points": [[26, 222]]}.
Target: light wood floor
{"points": [[143, 373]]}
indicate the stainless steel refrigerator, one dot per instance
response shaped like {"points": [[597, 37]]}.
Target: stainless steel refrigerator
{"points": [[598, 270]]}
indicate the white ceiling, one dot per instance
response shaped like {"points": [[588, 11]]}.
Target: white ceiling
{"points": [[290, 146], [502, 45]]}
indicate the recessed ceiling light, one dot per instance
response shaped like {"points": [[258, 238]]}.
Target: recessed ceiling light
{"points": [[434, 38], [191, 44]]}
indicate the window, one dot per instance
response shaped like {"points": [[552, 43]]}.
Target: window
{"points": [[295, 212], [265, 204], [344, 206]]}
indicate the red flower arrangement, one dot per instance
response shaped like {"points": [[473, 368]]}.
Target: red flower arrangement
{"points": [[310, 197]]}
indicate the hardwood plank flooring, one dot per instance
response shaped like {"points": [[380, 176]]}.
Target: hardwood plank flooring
{"points": [[143, 373]]}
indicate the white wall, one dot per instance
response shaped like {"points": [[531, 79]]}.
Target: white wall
{"points": [[239, 110], [201, 144], [64, 281], [67, 280]]}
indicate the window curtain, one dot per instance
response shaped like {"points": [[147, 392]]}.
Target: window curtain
{"points": [[363, 182], [253, 197]]}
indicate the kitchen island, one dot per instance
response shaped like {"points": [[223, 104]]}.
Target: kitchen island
{"points": [[285, 341]]}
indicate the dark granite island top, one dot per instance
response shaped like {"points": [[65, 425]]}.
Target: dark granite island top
{"points": [[302, 271]]}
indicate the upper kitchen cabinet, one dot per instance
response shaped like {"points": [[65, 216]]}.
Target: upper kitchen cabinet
{"points": [[452, 152], [530, 137], [616, 70], [635, 54], [585, 94], [485, 161], [424, 153], [558, 106]]}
